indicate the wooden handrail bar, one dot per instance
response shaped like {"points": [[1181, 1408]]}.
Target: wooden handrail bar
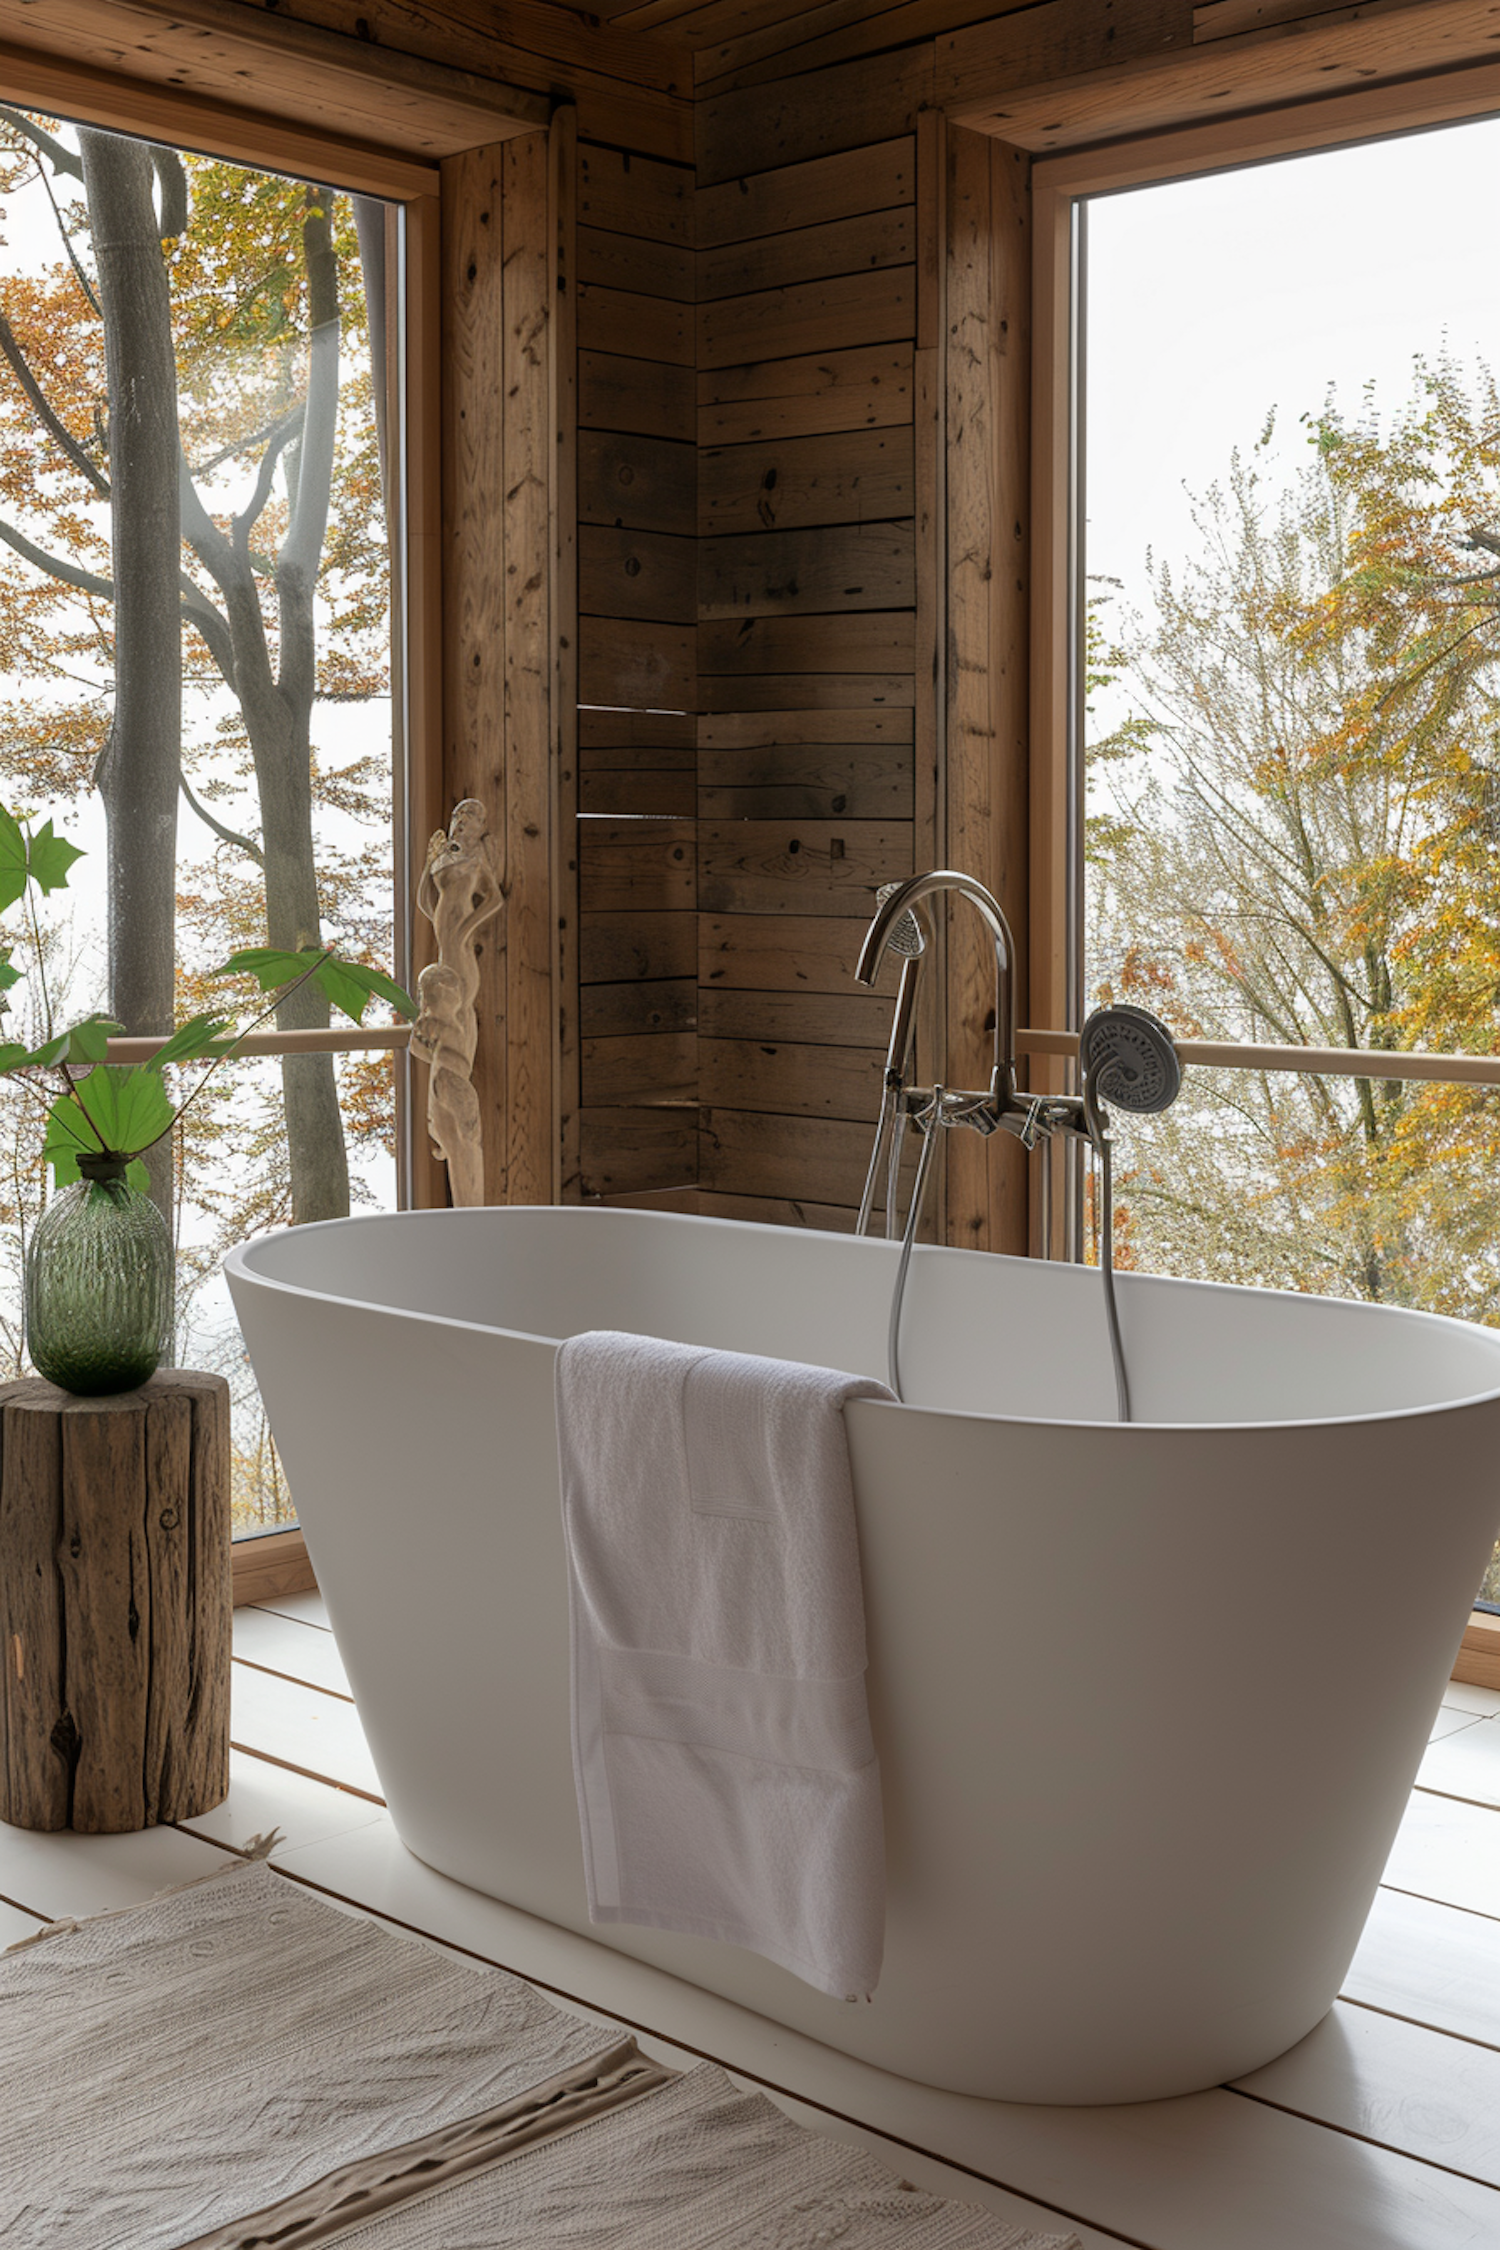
{"points": [[1326, 1062], [341, 1042]]}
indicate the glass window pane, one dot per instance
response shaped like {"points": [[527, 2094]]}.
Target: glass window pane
{"points": [[195, 663], [1292, 559]]}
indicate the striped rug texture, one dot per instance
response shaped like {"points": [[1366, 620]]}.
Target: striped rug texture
{"points": [[241, 2065]]}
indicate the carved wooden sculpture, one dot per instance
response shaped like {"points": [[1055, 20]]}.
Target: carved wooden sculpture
{"points": [[459, 892]]}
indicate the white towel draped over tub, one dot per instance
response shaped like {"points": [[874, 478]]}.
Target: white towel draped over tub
{"points": [[727, 1781]]}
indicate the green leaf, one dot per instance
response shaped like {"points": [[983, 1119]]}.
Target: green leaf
{"points": [[8, 975], [127, 1105], [48, 859], [270, 967], [13, 869], [137, 1175], [50, 1052], [84, 1042], [199, 1036], [366, 984], [88, 1042], [69, 1135], [348, 984]]}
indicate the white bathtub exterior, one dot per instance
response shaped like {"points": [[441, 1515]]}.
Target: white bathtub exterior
{"points": [[1148, 1701]]}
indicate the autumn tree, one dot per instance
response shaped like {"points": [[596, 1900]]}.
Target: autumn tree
{"points": [[178, 365], [1289, 854]]}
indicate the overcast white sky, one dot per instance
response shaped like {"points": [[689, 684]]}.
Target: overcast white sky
{"points": [[1211, 300]]}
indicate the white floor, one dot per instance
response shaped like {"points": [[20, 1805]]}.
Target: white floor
{"points": [[1380, 2132]]}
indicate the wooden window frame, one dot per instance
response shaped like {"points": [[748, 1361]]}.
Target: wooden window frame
{"points": [[269, 1564], [1059, 183]]}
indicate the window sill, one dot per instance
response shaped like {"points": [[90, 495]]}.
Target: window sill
{"points": [[272, 1566], [1478, 1662]]}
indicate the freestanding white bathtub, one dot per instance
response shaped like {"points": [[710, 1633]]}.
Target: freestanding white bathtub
{"points": [[1148, 1700]]}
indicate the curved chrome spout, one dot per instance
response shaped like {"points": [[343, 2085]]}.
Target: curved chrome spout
{"points": [[909, 894]]}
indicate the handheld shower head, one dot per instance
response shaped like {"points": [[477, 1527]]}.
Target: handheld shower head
{"points": [[1128, 1060], [904, 937]]}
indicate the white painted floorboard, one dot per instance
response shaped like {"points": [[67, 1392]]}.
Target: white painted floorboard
{"points": [[1380, 2132], [263, 1797], [309, 1654], [63, 1875], [1447, 1850], [317, 1733], [14, 1925], [1465, 1764], [1447, 1722], [1432, 1964], [311, 1609], [1395, 2083]]}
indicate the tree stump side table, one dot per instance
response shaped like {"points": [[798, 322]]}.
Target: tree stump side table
{"points": [[115, 1603]]}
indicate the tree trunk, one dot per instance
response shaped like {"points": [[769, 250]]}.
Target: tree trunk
{"points": [[276, 701], [139, 773]]}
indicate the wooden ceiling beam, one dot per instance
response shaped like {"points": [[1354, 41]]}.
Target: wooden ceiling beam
{"points": [[1066, 74], [269, 84]]}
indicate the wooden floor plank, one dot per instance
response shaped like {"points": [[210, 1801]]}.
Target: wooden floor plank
{"points": [[16, 1924], [1435, 1965], [306, 1730], [1397, 2084], [1449, 1851], [303, 1651], [263, 1797], [309, 1609], [1465, 1764], [1452, 1722], [64, 1875]]}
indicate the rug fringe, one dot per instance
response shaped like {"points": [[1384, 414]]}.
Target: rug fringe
{"points": [[251, 1853]]}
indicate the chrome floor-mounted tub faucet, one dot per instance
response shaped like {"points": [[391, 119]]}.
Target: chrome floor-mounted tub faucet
{"points": [[1125, 1053]]}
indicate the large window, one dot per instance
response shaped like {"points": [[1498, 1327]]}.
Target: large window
{"points": [[228, 742], [1282, 586]]}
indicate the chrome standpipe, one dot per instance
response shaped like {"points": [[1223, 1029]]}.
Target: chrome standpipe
{"points": [[1127, 1058]]}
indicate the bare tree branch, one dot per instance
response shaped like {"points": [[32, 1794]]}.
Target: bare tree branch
{"points": [[68, 574], [61, 159], [42, 408], [240, 445], [226, 835], [280, 437]]}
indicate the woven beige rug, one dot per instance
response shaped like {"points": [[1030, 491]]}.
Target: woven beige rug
{"points": [[242, 2066]]}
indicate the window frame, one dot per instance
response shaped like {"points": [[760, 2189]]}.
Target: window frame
{"points": [[1060, 184], [268, 1564]]}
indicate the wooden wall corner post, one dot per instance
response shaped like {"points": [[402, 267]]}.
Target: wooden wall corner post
{"points": [[930, 623], [988, 251], [418, 573], [562, 195], [475, 763], [115, 1604], [1052, 999]]}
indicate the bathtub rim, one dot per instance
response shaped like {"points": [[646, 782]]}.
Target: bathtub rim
{"points": [[238, 1264]]}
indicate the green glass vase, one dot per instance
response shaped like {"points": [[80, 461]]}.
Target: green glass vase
{"points": [[99, 1272]]}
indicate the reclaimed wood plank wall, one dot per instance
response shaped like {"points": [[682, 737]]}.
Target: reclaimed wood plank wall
{"points": [[771, 433], [637, 677], [498, 702], [808, 794]]}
